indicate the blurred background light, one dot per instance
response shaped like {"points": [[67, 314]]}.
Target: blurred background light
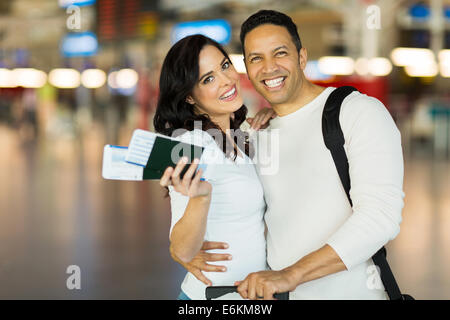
{"points": [[6, 78], [79, 3], [126, 78], [419, 11], [64, 78], [219, 30], [93, 78], [238, 62], [410, 56], [379, 66], [423, 69], [336, 65], [313, 73], [29, 77], [79, 44], [362, 66], [112, 80]]}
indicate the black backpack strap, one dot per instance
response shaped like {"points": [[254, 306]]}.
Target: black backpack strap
{"points": [[334, 141]]}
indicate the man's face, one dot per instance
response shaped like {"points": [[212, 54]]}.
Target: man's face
{"points": [[273, 63]]}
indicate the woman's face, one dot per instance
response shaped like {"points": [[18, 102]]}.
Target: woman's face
{"points": [[218, 90]]}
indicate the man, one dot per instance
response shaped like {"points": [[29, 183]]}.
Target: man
{"points": [[318, 246]]}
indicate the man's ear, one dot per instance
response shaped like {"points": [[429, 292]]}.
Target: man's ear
{"points": [[190, 100], [303, 58]]}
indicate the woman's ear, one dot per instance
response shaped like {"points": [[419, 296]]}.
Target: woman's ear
{"points": [[190, 100]]}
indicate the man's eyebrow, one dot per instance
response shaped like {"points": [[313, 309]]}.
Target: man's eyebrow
{"points": [[274, 50], [210, 72]]}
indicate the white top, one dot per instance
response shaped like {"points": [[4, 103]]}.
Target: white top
{"points": [[235, 215], [306, 203]]}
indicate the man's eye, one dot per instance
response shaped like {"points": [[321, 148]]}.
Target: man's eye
{"points": [[255, 59], [208, 80], [281, 53]]}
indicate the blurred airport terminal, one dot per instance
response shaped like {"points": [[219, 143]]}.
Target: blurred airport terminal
{"points": [[78, 74]]}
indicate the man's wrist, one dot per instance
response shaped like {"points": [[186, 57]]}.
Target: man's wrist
{"points": [[294, 275]]}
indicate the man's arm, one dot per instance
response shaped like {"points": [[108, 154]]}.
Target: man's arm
{"points": [[262, 285]]}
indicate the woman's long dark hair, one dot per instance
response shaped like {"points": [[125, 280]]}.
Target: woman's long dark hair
{"points": [[179, 75]]}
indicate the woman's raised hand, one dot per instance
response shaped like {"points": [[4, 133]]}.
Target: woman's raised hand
{"points": [[190, 185], [262, 119]]}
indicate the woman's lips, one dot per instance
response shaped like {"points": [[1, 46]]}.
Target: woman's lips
{"points": [[229, 95]]}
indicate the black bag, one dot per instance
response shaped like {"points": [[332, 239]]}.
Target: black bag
{"points": [[334, 141]]}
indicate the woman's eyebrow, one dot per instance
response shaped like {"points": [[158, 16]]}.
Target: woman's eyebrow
{"points": [[208, 73]]}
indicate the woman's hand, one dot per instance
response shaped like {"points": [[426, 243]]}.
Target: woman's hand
{"points": [[262, 119], [188, 186]]}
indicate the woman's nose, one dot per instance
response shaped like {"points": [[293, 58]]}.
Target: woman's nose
{"points": [[226, 79]]}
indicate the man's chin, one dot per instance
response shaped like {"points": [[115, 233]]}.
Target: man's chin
{"points": [[274, 99]]}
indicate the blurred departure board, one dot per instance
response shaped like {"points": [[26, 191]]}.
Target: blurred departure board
{"points": [[118, 19]]}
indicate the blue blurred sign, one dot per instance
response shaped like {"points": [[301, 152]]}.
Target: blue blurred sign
{"points": [[419, 11], [219, 30], [79, 44], [79, 3]]}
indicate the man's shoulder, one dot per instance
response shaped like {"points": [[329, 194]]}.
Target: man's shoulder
{"points": [[358, 105]]}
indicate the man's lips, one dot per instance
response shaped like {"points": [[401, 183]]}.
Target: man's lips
{"points": [[274, 83]]}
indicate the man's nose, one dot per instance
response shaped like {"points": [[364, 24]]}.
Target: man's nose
{"points": [[269, 66]]}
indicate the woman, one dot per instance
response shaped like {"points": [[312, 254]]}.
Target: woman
{"points": [[200, 93]]}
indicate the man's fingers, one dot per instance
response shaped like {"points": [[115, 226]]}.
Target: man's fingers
{"points": [[217, 257], [213, 268], [242, 288], [266, 118], [252, 281], [200, 276], [208, 245]]}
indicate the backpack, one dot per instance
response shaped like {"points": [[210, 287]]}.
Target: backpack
{"points": [[334, 141]]}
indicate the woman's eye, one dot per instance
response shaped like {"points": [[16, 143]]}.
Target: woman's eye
{"points": [[226, 65], [208, 79]]}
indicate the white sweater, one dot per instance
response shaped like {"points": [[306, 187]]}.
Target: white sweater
{"points": [[236, 215], [307, 206]]}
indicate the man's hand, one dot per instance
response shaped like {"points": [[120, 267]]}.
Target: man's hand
{"points": [[199, 262], [262, 118], [263, 284]]}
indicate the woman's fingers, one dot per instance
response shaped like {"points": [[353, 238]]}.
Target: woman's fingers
{"points": [[165, 179], [176, 172], [189, 173]]}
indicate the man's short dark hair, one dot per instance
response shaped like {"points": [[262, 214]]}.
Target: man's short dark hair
{"points": [[270, 17]]}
